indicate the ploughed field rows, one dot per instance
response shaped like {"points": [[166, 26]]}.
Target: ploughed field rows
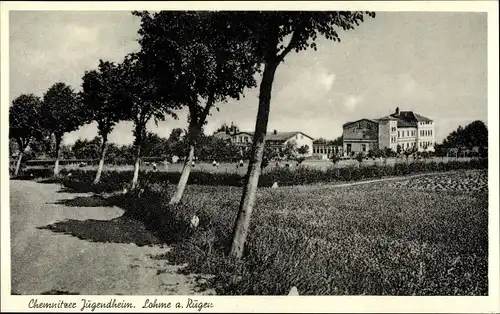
{"points": [[463, 181]]}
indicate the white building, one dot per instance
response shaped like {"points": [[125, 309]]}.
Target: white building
{"points": [[275, 140], [405, 129]]}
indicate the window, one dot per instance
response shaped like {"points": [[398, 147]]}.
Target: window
{"points": [[246, 139], [398, 134], [296, 136], [301, 136], [363, 147]]}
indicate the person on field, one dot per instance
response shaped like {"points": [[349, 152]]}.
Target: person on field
{"points": [[241, 162], [214, 164], [154, 167]]}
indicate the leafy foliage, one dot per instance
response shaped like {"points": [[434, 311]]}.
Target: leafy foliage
{"points": [[101, 97], [196, 62], [24, 120], [61, 110], [474, 134]]}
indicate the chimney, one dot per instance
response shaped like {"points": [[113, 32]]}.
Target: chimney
{"points": [[275, 132], [397, 110]]}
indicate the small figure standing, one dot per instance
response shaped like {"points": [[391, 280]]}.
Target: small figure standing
{"points": [[214, 164], [192, 164], [241, 162], [154, 167]]}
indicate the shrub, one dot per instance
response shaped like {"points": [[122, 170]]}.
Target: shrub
{"points": [[82, 180]]}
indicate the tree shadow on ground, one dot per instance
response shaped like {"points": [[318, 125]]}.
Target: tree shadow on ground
{"points": [[86, 201], [118, 230]]}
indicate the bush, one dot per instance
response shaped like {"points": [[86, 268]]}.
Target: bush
{"points": [[82, 180]]}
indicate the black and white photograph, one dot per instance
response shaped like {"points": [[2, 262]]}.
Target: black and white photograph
{"points": [[205, 151]]}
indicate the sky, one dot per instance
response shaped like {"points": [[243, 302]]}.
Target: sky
{"points": [[433, 63]]}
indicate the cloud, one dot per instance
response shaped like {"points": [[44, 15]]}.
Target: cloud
{"points": [[327, 80], [351, 101]]}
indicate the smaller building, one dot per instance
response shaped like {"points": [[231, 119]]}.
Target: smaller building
{"points": [[360, 136], [275, 140], [325, 149]]}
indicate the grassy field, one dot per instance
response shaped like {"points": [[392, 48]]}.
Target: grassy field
{"points": [[427, 238], [231, 167]]}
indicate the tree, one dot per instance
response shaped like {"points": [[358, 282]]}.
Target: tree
{"points": [[102, 104], [398, 149], [409, 151], [303, 150], [61, 113], [85, 149], [359, 157], [339, 141], [155, 146], [205, 62], [474, 134], [267, 32], [142, 101], [176, 135], [24, 123]]}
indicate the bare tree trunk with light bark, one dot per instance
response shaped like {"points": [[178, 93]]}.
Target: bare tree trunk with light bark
{"points": [[247, 202], [101, 161], [186, 170], [58, 155], [18, 163], [137, 164]]}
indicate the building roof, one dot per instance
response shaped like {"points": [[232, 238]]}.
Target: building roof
{"points": [[385, 118], [405, 119], [279, 136], [351, 122], [409, 118]]}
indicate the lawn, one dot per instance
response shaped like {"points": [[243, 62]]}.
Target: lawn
{"points": [[226, 167], [372, 239]]}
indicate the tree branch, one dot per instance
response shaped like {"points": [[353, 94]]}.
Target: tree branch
{"points": [[208, 106], [293, 42]]}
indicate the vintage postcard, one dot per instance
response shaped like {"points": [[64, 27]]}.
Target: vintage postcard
{"points": [[250, 156]]}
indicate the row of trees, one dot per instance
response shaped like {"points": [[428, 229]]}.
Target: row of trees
{"points": [[193, 60]]}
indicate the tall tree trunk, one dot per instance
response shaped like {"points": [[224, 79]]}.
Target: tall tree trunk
{"points": [[18, 163], [242, 223], [195, 126], [135, 179], [186, 170], [58, 155], [101, 162], [139, 130]]}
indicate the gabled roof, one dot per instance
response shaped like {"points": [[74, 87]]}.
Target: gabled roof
{"points": [[385, 118], [410, 118], [279, 136], [364, 119], [247, 133], [421, 118], [283, 136]]}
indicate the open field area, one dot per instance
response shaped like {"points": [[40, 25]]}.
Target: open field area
{"points": [[226, 167], [414, 236]]}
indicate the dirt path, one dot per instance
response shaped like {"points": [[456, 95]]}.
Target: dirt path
{"points": [[58, 246]]}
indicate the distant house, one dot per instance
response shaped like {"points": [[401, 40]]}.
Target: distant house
{"points": [[325, 149], [275, 140], [405, 129]]}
